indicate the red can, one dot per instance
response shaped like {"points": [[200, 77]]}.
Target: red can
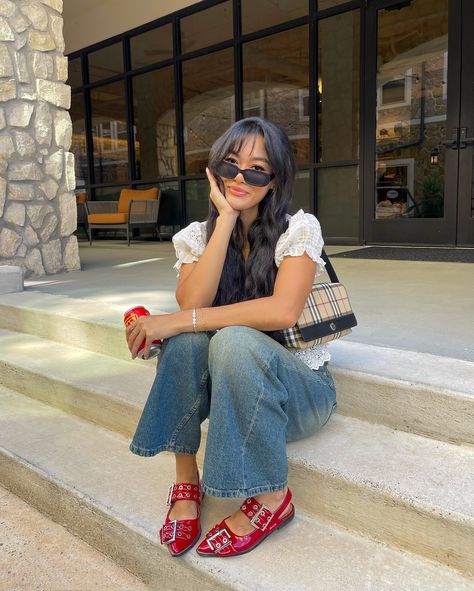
{"points": [[132, 315]]}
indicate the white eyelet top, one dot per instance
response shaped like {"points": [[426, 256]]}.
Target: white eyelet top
{"points": [[302, 235]]}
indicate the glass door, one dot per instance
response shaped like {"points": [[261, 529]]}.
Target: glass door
{"points": [[411, 108]]}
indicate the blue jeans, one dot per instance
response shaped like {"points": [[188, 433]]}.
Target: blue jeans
{"points": [[257, 396]]}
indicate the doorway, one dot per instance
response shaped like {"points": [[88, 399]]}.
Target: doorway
{"points": [[419, 114]]}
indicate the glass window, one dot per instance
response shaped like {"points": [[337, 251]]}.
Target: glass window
{"points": [[108, 193], [74, 78], [206, 27], [109, 133], [197, 200], [155, 124], [151, 47], [78, 144], [208, 109], [302, 198], [276, 82], [105, 62], [261, 14], [338, 87], [338, 202]]}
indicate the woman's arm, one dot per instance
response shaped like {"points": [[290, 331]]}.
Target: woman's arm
{"points": [[198, 282], [281, 310]]}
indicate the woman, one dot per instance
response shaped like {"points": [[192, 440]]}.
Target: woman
{"points": [[246, 273]]}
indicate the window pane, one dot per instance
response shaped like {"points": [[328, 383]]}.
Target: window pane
{"points": [[169, 216], [338, 88], [105, 62], [276, 82], [108, 193], [338, 202], [302, 198], [155, 124], [197, 201], [74, 78], [109, 133], [206, 27], [78, 144], [208, 109], [260, 14], [153, 46]]}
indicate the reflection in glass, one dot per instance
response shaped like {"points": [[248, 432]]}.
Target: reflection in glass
{"points": [[74, 68], [208, 108], [338, 203], [169, 217], [323, 4], [109, 133], [197, 200], [206, 27], [337, 92], [266, 13], [411, 110], [151, 47], [105, 62], [78, 144], [276, 82], [155, 124]]}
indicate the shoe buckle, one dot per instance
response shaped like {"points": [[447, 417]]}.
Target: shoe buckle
{"points": [[262, 518], [167, 536], [219, 540], [170, 494]]}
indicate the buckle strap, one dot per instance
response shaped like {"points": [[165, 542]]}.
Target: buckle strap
{"points": [[184, 491], [219, 540], [259, 515], [175, 529]]}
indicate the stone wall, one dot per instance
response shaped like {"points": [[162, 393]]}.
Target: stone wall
{"points": [[37, 203]]}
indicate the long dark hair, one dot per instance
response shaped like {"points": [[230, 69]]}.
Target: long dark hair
{"points": [[254, 278]]}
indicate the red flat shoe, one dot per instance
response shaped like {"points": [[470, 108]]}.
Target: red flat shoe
{"points": [[180, 535], [221, 540]]}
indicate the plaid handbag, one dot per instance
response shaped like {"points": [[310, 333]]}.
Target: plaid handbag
{"points": [[327, 315]]}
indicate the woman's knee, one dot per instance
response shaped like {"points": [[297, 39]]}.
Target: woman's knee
{"points": [[186, 342]]}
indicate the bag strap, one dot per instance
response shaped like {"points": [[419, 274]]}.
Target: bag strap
{"points": [[329, 268]]}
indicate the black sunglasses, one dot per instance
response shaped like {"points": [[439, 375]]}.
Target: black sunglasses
{"points": [[258, 178]]}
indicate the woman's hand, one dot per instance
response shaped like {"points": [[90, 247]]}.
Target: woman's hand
{"points": [[219, 200], [149, 329]]}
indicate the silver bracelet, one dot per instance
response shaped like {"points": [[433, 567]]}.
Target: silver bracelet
{"points": [[194, 320]]}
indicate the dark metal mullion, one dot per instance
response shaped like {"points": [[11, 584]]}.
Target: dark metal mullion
{"points": [[88, 124], [363, 88], [297, 22], [313, 105], [129, 112], [238, 62], [178, 91]]}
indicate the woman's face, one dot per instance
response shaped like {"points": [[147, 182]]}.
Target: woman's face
{"points": [[240, 195]]}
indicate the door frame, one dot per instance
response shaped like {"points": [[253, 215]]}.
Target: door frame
{"points": [[410, 231], [466, 156]]}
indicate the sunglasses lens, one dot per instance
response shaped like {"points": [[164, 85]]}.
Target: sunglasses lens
{"points": [[257, 178]]}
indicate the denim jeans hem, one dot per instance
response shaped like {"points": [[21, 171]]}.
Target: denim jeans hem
{"points": [[242, 493], [177, 449]]}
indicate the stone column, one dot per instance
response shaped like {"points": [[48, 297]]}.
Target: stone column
{"points": [[37, 203]]}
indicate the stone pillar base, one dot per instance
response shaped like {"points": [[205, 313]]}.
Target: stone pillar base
{"points": [[11, 279]]}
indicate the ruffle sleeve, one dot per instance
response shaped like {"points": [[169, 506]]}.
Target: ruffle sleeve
{"points": [[189, 244], [303, 235]]}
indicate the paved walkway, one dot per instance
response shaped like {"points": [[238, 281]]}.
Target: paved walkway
{"points": [[418, 306]]}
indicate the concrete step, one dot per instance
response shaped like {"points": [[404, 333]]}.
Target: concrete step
{"points": [[83, 477], [395, 486], [87, 324], [414, 392], [37, 553]]}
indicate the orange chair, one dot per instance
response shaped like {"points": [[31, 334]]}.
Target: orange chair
{"points": [[134, 209]]}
